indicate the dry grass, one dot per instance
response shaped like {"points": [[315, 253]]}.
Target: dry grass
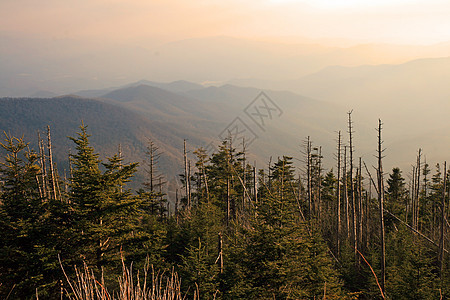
{"points": [[153, 286]]}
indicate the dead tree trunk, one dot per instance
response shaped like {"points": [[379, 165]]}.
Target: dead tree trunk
{"points": [[282, 184], [417, 188], [352, 190], [319, 184], [232, 200], [269, 171], [43, 167], [361, 211], [187, 188], [368, 196], [220, 256], [228, 191], [344, 179], [381, 204], [189, 182], [244, 179], [206, 184], [413, 197], [367, 204], [51, 168], [255, 189], [442, 236], [338, 196], [308, 175]]}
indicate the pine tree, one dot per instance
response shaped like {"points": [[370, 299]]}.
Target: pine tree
{"points": [[152, 194], [31, 226], [192, 245], [411, 272], [396, 197], [223, 172], [20, 205], [103, 211], [199, 272], [279, 256]]}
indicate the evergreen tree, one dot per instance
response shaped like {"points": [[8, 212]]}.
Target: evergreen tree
{"points": [[103, 210], [412, 273], [20, 206], [396, 197], [226, 188], [31, 226], [279, 256], [199, 272], [193, 246]]}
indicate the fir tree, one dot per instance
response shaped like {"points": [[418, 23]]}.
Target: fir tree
{"points": [[30, 238], [103, 211], [279, 256], [396, 197]]}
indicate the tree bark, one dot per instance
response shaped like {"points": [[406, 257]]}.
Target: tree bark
{"points": [[381, 204], [352, 190], [417, 188], [338, 196], [308, 165], [187, 188], [52, 170], [442, 236], [43, 167], [255, 189], [360, 211], [244, 179], [344, 178], [220, 250]]}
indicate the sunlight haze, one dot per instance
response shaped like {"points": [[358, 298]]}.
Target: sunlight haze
{"points": [[401, 21]]}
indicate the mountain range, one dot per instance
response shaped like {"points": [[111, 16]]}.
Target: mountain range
{"points": [[409, 94], [135, 113], [63, 66]]}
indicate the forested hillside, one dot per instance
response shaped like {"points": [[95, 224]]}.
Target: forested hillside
{"points": [[132, 115], [339, 231], [113, 126], [172, 112]]}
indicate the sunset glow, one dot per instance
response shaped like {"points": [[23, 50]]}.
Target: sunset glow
{"points": [[400, 21]]}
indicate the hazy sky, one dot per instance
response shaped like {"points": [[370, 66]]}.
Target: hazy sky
{"points": [[400, 21]]}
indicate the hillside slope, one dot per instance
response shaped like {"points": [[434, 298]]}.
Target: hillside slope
{"points": [[108, 124]]}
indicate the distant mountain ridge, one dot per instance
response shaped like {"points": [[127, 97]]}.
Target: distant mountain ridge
{"points": [[202, 115], [66, 69], [130, 115], [174, 86], [164, 104]]}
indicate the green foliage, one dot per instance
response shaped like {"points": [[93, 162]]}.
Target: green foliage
{"points": [[229, 244], [193, 246], [284, 263], [199, 272], [412, 273], [103, 209], [28, 243], [279, 256], [396, 197]]}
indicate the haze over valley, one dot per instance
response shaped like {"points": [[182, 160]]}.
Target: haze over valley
{"points": [[215, 78]]}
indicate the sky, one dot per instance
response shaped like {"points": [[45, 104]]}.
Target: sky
{"points": [[388, 21]]}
